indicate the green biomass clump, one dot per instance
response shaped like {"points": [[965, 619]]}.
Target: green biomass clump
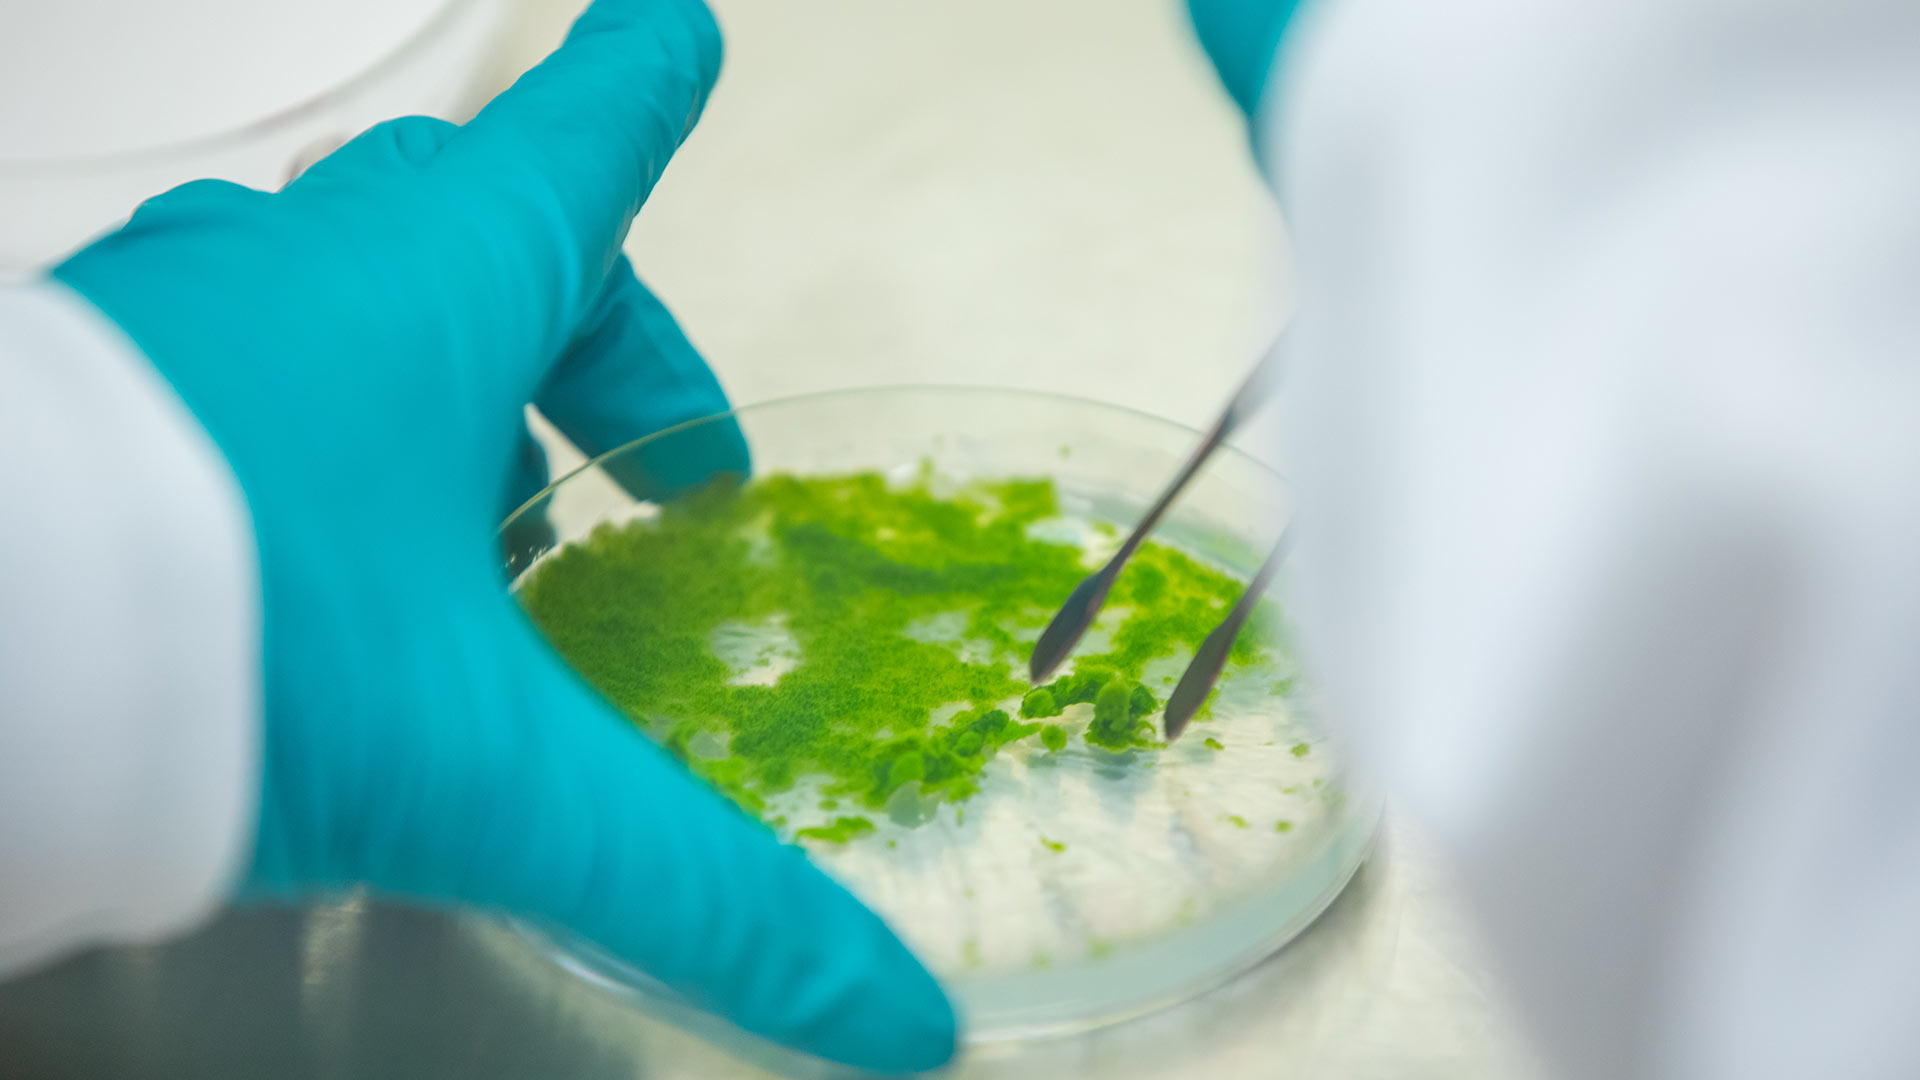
{"points": [[1112, 725], [878, 607], [1040, 702]]}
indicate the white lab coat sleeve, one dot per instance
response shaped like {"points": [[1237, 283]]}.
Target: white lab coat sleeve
{"points": [[129, 643], [1604, 417]]}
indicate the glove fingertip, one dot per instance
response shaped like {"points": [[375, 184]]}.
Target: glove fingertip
{"points": [[856, 993], [632, 372], [794, 957], [916, 1031], [681, 460], [616, 840]]}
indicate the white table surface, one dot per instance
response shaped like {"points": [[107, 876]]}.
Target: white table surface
{"points": [[1052, 195]]}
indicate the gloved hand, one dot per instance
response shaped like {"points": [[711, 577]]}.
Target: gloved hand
{"points": [[360, 347], [1241, 38]]}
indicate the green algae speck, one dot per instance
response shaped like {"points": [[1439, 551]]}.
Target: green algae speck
{"points": [[841, 831], [1212, 743], [1300, 749], [850, 571], [1235, 820], [1283, 826], [1052, 845]]}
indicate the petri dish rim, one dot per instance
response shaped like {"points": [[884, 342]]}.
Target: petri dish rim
{"points": [[1228, 450]]}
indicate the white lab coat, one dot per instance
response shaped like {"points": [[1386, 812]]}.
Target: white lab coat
{"points": [[1604, 412], [129, 643], [1605, 417]]}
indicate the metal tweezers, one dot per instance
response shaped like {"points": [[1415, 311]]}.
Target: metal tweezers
{"points": [[1074, 616]]}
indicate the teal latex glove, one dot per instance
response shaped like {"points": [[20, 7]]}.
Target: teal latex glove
{"points": [[1241, 37], [360, 346]]}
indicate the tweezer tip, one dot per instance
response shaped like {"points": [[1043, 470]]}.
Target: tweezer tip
{"points": [[1191, 691], [1064, 631], [1173, 723], [1046, 654]]}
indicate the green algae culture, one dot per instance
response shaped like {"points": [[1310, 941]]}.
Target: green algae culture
{"points": [[888, 625]]}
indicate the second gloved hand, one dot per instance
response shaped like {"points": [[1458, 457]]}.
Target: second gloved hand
{"points": [[1241, 37], [360, 346]]}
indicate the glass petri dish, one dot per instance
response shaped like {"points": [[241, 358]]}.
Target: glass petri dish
{"points": [[75, 170], [1078, 888]]}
